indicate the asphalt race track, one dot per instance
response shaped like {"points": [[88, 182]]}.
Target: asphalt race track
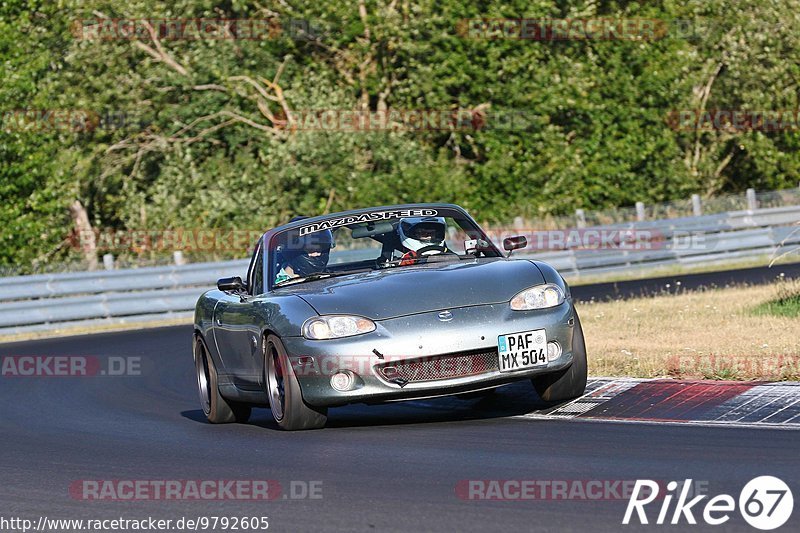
{"points": [[676, 284], [395, 467]]}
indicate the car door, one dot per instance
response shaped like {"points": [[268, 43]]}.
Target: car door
{"points": [[237, 331]]}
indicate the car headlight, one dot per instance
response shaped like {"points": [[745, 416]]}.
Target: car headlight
{"points": [[336, 327], [539, 297]]}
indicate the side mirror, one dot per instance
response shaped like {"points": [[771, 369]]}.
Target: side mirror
{"points": [[514, 243], [234, 284]]}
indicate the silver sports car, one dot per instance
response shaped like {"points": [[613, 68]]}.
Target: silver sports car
{"points": [[382, 304]]}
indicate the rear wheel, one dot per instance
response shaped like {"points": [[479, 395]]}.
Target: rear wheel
{"points": [[283, 389], [217, 409], [569, 383]]}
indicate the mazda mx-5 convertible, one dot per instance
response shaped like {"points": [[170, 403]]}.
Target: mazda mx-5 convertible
{"points": [[382, 304]]}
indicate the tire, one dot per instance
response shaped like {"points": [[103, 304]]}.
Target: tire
{"points": [[569, 383], [217, 409], [285, 397]]}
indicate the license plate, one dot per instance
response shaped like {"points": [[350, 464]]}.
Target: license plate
{"points": [[518, 351]]}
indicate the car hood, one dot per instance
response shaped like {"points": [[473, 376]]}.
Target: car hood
{"points": [[390, 293]]}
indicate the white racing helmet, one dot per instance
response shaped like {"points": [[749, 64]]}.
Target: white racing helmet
{"points": [[418, 232]]}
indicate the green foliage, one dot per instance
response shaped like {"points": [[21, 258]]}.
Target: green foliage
{"points": [[203, 145]]}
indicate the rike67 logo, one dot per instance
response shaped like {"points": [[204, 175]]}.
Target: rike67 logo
{"points": [[765, 503]]}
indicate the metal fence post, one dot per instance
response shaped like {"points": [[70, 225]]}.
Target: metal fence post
{"points": [[580, 215], [697, 207], [640, 211], [752, 203]]}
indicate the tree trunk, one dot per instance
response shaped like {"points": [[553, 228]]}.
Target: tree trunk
{"points": [[86, 236]]}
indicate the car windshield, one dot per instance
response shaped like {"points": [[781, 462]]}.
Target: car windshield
{"points": [[375, 240]]}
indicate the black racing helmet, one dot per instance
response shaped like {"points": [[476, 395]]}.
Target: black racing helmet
{"points": [[308, 253]]}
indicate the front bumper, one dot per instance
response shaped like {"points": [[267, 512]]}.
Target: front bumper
{"points": [[423, 335]]}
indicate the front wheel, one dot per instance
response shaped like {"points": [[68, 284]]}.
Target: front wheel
{"points": [[569, 383], [285, 399], [217, 409]]}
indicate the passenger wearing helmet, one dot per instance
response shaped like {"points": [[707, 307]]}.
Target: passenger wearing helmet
{"points": [[421, 236], [301, 256]]}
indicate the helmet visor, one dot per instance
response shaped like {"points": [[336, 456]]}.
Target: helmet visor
{"points": [[426, 232]]}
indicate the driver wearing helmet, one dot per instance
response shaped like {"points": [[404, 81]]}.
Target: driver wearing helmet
{"points": [[301, 256], [421, 236]]}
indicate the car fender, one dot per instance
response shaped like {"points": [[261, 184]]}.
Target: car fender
{"points": [[282, 315], [551, 275]]}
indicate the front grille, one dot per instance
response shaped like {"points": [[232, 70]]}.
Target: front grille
{"points": [[436, 367]]}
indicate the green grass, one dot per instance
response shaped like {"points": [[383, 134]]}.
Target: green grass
{"points": [[788, 307], [786, 302], [723, 373]]}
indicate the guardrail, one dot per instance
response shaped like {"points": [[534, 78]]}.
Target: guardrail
{"points": [[45, 302], [56, 301], [722, 237]]}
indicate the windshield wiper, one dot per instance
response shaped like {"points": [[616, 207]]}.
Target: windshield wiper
{"points": [[310, 277], [396, 262], [422, 259], [318, 275]]}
